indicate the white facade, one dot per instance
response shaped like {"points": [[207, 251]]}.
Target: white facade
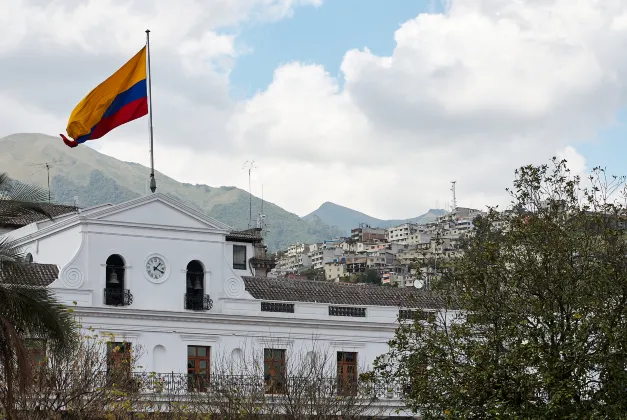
{"points": [[400, 233], [325, 255], [158, 226], [296, 249], [156, 320], [334, 271]]}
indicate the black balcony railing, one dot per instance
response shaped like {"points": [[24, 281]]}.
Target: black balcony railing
{"points": [[242, 385], [117, 297], [198, 302]]}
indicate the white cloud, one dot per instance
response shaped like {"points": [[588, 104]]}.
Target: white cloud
{"points": [[575, 161], [466, 95]]}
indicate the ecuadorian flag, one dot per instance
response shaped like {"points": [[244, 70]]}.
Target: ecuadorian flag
{"points": [[121, 98]]}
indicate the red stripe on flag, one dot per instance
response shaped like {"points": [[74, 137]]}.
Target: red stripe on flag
{"points": [[128, 112]]}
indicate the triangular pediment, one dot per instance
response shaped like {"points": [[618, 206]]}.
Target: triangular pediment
{"points": [[158, 210]]}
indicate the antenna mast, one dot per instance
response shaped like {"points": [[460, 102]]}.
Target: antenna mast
{"points": [[454, 197], [48, 169], [249, 165]]}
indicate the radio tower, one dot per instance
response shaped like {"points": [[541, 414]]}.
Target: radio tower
{"points": [[454, 197]]}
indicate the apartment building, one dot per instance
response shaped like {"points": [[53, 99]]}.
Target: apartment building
{"points": [[334, 271], [322, 256], [400, 233], [365, 233]]}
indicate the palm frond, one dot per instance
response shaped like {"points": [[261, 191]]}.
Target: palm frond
{"points": [[34, 310], [10, 253], [19, 199]]}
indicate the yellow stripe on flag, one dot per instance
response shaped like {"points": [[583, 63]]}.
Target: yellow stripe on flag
{"points": [[91, 109]]}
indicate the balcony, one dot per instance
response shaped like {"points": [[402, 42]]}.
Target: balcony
{"points": [[197, 302], [117, 297], [222, 385]]}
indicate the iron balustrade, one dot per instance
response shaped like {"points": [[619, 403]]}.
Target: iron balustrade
{"points": [[277, 307], [347, 311], [117, 297], [250, 385], [198, 302]]}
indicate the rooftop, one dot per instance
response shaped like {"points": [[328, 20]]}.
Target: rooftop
{"points": [[29, 274], [287, 290], [9, 216], [249, 235]]}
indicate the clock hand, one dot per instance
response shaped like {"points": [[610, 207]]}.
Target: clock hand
{"points": [[157, 269]]}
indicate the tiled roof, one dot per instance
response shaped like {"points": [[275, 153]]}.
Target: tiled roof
{"points": [[249, 235], [31, 274], [9, 218], [339, 293]]}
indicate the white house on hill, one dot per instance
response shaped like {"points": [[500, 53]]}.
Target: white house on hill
{"points": [[189, 290]]}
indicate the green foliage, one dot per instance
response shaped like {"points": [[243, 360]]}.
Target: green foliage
{"points": [[100, 189], [536, 323], [369, 276], [313, 274], [26, 310]]}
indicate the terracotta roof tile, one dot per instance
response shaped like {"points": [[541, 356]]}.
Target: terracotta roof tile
{"points": [[55, 210], [32, 274], [339, 293]]}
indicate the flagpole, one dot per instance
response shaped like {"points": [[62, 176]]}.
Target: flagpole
{"points": [[153, 183]]}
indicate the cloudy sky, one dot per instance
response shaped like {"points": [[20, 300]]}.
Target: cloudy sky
{"points": [[373, 104]]}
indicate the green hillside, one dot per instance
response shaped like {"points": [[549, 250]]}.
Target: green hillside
{"points": [[96, 178]]}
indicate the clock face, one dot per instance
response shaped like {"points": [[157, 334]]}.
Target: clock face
{"points": [[155, 267]]}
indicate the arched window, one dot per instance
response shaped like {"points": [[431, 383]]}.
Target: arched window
{"points": [[115, 294], [195, 297], [29, 258]]}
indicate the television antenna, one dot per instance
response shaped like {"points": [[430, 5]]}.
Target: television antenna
{"points": [[250, 165], [47, 166]]}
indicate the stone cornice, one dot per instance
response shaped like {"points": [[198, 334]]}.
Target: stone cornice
{"points": [[262, 321], [205, 338], [348, 344]]}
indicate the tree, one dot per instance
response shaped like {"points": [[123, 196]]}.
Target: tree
{"points": [[26, 309], [81, 382], [313, 274], [369, 276], [305, 386], [535, 324]]}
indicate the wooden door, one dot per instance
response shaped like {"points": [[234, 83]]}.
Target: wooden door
{"points": [[347, 372], [274, 370], [198, 367]]}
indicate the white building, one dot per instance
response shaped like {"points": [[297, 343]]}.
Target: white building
{"points": [[296, 249], [400, 233], [325, 255], [160, 275], [334, 271]]}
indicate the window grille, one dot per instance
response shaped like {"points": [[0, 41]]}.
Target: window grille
{"points": [[277, 307], [347, 311]]}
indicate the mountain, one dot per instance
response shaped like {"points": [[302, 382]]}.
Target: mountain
{"points": [[345, 219], [96, 178]]}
